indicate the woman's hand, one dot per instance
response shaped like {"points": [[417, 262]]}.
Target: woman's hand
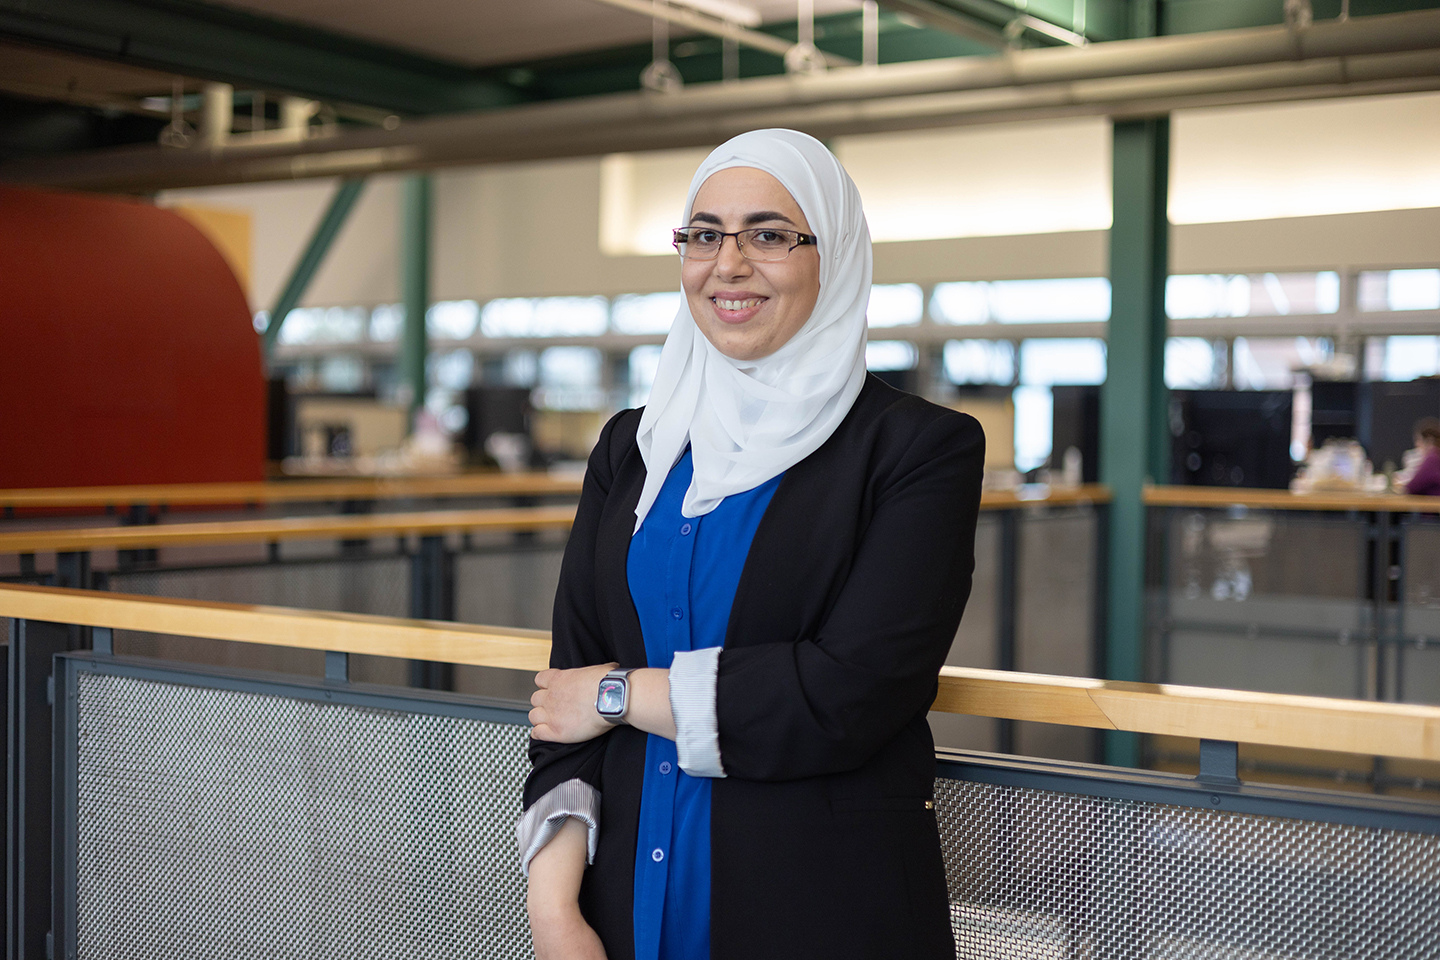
{"points": [[565, 704], [556, 924], [564, 935]]}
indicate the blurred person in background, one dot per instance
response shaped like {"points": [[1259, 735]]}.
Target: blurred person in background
{"points": [[1426, 481]]}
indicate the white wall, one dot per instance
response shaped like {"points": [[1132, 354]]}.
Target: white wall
{"points": [[1041, 190], [1287, 160]]}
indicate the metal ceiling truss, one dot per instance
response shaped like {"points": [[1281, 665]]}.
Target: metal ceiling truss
{"points": [[996, 24], [712, 26], [1117, 79], [215, 43], [1371, 55]]}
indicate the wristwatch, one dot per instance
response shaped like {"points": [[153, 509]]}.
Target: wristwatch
{"points": [[613, 700]]}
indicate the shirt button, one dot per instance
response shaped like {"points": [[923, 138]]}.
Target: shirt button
{"points": [[677, 613], [657, 854], [685, 530], [665, 766]]}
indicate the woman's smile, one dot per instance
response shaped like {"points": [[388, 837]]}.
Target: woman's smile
{"points": [[737, 307]]}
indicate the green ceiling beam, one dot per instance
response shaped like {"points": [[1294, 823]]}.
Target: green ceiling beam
{"points": [[1200, 16], [210, 42]]}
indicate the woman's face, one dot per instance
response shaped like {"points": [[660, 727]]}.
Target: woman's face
{"points": [[749, 309]]}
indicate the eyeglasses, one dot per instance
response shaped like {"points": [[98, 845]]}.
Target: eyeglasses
{"points": [[766, 244]]}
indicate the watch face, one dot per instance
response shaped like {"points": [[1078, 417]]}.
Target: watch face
{"points": [[611, 700]]}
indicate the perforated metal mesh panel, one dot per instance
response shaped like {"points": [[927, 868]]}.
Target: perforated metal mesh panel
{"points": [[1035, 874], [222, 824]]}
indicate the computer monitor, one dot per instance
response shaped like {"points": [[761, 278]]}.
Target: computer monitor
{"points": [[1231, 438]]}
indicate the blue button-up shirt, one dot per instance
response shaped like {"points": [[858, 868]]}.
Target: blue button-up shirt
{"points": [[683, 573]]}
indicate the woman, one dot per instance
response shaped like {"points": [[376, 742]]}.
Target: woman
{"points": [[1426, 481], [779, 548]]}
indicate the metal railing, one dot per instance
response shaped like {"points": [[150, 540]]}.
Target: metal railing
{"points": [[501, 566], [1331, 594], [209, 812]]}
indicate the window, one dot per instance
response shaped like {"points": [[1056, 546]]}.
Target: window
{"points": [[1270, 363], [452, 319], [1043, 364], [1382, 290], [1034, 426], [1192, 363], [1192, 296], [386, 321], [1022, 301], [545, 317], [520, 368], [890, 355], [1076, 360], [980, 361], [644, 362], [638, 313], [340, 374], [324, 325], [1404, 358], [895, 305], [570, 379], [452, 370]]}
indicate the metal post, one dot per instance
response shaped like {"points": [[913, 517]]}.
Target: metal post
{"points": [[1009, 606], [139, 514], [415, 278], [1099, 591], [330, 223], [73, 570], [1134, 430], [33, 646], [1380, 562], [337, 666], [432, 597]]}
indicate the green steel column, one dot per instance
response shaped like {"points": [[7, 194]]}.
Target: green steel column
{"points": [[325, 232], [1134, 433], [415, 283]]}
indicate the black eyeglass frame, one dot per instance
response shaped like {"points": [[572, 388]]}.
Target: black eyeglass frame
{"points": [[801, 240]]}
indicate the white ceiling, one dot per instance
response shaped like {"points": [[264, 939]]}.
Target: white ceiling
{"points": [[482, 32]]}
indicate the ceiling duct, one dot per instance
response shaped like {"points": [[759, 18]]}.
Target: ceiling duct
{"points": [[1372, 55]]}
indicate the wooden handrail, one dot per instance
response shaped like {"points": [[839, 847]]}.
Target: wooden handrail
{"points": [[296, 491], [283, 627], [349, 526], [1038, 495], [1330, 501], [1316, 723], [360, 526]]}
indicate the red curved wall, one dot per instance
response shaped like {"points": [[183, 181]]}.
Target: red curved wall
{"points": [[127, 353]]}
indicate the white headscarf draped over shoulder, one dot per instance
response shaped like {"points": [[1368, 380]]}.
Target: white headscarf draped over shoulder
{"points": [[747, 421]]}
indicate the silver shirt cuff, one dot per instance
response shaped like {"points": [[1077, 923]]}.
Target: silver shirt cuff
{"points": [[538, 826], [693, 674]]}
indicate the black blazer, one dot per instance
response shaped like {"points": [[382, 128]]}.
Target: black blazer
{"points": [[821, 841]]}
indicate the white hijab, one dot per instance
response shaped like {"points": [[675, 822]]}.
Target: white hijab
{"points": [[747, 421]]}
